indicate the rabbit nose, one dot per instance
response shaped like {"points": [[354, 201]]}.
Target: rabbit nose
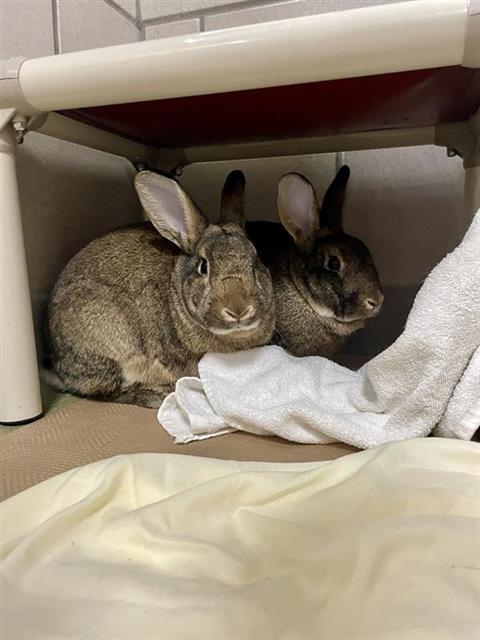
{"points": [[373, 305], [238, 314]]}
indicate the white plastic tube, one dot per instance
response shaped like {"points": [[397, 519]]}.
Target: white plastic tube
{"points": [[368, 41], [19, 384]]}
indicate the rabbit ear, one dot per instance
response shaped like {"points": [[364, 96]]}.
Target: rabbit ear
{"points": [[170, 210], [232, 205], [298, 210], [332, 205]]}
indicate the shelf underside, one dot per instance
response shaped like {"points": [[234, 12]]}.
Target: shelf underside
{"points": [[395, 100]]}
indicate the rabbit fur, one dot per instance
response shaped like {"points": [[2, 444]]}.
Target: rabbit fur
{"points": [[325, 283], [138, 307]]}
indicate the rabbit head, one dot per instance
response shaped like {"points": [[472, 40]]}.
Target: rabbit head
{"points": [[335, 270], [223, 286]]}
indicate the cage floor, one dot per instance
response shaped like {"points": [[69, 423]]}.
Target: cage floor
{"points": [[52, 400]]}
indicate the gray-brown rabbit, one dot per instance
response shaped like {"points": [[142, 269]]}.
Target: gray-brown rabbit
{"points": [[325, 282], [134, 311]]}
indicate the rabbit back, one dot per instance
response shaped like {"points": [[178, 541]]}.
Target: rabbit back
{"points": [[110, 308], [137, 308]]}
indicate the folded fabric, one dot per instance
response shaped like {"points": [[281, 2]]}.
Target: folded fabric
{"points": [[381, 544], [462, 416], [428, 377]]}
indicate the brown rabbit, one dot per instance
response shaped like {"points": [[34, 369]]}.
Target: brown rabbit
{"points": [[134, 311], [325, 283]]}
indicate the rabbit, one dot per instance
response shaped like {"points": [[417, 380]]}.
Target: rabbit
{"points": [[137, 308], [325, 283]]}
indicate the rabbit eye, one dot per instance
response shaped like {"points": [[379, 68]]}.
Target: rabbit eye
{"points": [[203, 267], [332, 264]]}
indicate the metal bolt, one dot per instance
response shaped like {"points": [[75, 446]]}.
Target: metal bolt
{"points": [[20, 128]]}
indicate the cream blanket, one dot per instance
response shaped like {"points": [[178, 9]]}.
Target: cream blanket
{"points": [[382, 545]]}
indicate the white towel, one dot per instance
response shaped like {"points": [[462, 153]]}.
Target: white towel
{"points": [[462, 416], [428, 377]]}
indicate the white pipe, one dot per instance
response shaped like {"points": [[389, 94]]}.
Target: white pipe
{"points": [[368, 41], [19, 386]]}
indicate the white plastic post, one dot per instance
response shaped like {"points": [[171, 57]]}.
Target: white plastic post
{"points": [[20, 399]]}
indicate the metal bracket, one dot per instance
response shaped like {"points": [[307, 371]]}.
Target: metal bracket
{"points": [[175, 172], [19, 124], [461, 139]]}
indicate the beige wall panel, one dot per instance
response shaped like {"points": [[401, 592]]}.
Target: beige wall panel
{"points": [[88, 24], [69, 195], [26, 28]]}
